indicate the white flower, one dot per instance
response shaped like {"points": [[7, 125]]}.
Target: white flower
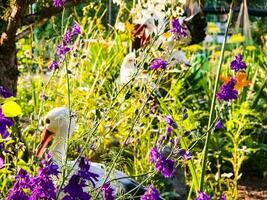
{"points": [[119, 2], [120, 26]]}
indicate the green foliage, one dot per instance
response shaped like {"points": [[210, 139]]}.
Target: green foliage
{"points": [[99, 101]]}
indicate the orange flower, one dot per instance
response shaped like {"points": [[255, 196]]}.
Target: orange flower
{"points": [[240, 78], [224, 78]]}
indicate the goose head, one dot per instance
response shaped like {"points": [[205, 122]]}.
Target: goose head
{"points": [[59, 126]]}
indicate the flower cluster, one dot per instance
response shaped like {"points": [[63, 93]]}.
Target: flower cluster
{"points": [[170, 124], [177, 29], [219, 124], [74, 188], [40, 186], [5, 123], [5, 93], [202, 196], [65, 46], [162, 164], [228, 90], [238, 64], [68, 37], [107, 192], [151, 194], [158, 63], [58, 3]]}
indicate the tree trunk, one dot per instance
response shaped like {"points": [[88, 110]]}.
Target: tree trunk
{"points": [[8, 66]]}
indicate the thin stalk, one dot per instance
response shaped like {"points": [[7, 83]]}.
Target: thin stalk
{"points": [[67, 146], [213, 102], [128, 136], [123, 146]]}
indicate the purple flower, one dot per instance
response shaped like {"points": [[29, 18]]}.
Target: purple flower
{"points": [[151, 194], [177, 29], [78, 149], [158, 63], [227, 91], [62, 50], [40, 186], [53, 65], [238, 64], [154, 155], [168, 130], [219, 124], [74, 189], [202, 196], [67, 37], [22, 182], [153, 109], [1, 162], [5, 93], [185, 154], [223, 197], [58, 3], [4, 124], [165, 167], [76, 29], [84, 172], [168, 120], [17, 195], [107, 192]]}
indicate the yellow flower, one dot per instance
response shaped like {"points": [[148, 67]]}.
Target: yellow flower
{"points": [[193, 48], [216, 55], [213, 28], [99, 24], [250, 48], [167, 34], [129, 26], [11, 109], [236, 38]]}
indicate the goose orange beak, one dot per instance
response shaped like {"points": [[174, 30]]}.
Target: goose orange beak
{"points": [[46, 137]]}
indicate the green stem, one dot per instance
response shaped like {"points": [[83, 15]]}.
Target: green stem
{"points": [[212, 107], [123, 146], [69, 125]]}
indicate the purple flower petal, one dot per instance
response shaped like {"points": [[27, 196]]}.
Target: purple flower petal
{"points": [[177, 29], [227, 91], [151, 194], [238, 64], [158, 63]]}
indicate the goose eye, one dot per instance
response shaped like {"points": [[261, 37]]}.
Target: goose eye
{"points": [[47, 121]]}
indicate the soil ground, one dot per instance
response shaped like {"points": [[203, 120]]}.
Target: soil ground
{"points": [[252, 189]]}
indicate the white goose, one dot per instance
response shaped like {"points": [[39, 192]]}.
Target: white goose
{"points": [[56, 131]]}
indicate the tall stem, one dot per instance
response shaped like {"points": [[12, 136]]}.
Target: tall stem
{"points": [[213, 102]]}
